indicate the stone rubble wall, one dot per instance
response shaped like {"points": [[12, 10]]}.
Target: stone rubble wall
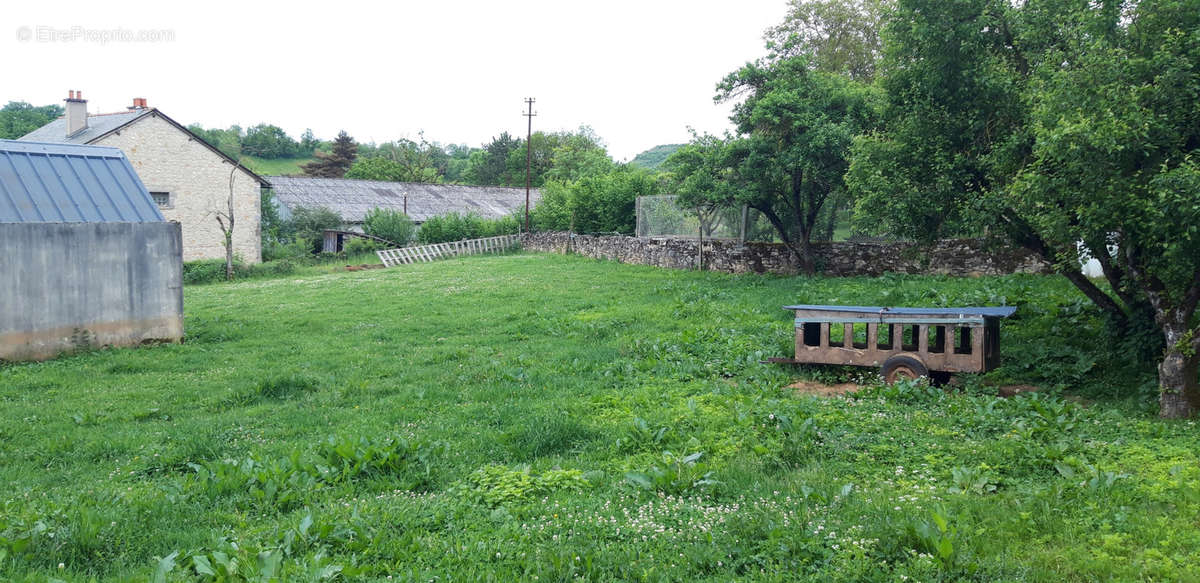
{"points": [[957, 257]]}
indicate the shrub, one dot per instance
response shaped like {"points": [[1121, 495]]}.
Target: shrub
{"points": [[213, 270], [308, 224], [358, 246], [389, 224], [456, 227], [204, 271], [600, 203]]}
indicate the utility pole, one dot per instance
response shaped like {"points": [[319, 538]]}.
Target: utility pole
{"points": [[528, 155]]}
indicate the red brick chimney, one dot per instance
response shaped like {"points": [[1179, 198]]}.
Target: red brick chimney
{"points": [[76, 112], [138, 103]]}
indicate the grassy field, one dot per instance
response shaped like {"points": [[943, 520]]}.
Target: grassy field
{"points": [[275, 166], [547, 418]]}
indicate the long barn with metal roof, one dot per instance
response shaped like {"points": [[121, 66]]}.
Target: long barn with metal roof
{"points": [[352, 199]]}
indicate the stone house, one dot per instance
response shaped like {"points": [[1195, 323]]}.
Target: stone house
{"points": [[187, 178]]}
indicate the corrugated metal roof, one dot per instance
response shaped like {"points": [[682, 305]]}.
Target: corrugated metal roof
{"points": [[69, 183], [353, 198], [98, 125]]}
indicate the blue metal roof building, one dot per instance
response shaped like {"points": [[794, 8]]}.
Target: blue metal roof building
{"points": [[70, 183]]}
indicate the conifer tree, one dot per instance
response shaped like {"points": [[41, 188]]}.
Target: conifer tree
{"points": [[335, 164]]}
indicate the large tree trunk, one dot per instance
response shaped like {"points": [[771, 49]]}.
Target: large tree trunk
{"points": [[803, 253], [807, 261], [1179, 389]]}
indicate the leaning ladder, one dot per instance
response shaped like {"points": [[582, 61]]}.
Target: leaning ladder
{"points": [[426, 253]]}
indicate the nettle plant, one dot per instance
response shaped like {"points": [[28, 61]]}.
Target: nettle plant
{"points": [[978, 480], [679, 475]]}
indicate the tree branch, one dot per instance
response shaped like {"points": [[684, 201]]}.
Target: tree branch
{"points": [[768, 212], [1192, 297], [1023, 234]]}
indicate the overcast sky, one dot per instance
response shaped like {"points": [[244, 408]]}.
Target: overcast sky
{"points": [[638, 72]]}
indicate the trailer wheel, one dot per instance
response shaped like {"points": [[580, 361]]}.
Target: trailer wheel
{"points": [[902, 367]]}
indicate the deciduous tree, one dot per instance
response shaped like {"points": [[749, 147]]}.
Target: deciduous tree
{"points": [[836, 36], [796, 126], [489, 166], [18, 118], [1071, 128], [269, 141]]}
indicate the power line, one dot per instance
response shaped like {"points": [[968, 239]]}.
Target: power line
{"points": [[528, 155]]}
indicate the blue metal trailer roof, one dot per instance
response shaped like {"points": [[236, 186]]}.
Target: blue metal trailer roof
{"points": [[70, 183], [994, 312]]}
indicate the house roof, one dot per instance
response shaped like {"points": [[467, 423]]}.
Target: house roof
{"points": [[352, 198], [103, 124], [70, 183], [98, 125]]}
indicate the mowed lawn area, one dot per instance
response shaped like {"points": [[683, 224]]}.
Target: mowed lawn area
{"points": [[545, 418]]}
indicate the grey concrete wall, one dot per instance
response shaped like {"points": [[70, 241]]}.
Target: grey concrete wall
{"points": [[960, 257], [66, 286]]}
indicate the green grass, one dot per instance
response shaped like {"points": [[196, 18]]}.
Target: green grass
{"points": [[537, 416], [275, 166]]}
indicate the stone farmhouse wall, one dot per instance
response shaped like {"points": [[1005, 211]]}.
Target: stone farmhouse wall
{"points": [[959, 257], [169, 160]]}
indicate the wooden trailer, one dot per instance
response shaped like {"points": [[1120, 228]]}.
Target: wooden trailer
{"points": [[902, 342]]}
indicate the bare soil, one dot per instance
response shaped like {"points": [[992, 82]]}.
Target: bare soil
{"points": [[822, 389]]}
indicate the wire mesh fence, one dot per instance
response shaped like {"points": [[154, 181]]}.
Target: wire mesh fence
{"points": [[665, 216]]}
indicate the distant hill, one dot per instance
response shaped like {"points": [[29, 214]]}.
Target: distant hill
{"points": [[654, 156]]}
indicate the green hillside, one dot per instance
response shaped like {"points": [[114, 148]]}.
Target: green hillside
{"points": [[654, 156]]}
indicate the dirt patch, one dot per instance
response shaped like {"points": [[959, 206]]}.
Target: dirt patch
{"points": [[822, 389], [1014, 390], [1007, 391], [365, 266]]}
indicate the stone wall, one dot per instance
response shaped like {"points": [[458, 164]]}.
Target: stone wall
{"points": [[960, 257], [169, 160], [77, 285]]}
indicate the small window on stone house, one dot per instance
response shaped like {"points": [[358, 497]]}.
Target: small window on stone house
{"points": [[162, 199]]}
